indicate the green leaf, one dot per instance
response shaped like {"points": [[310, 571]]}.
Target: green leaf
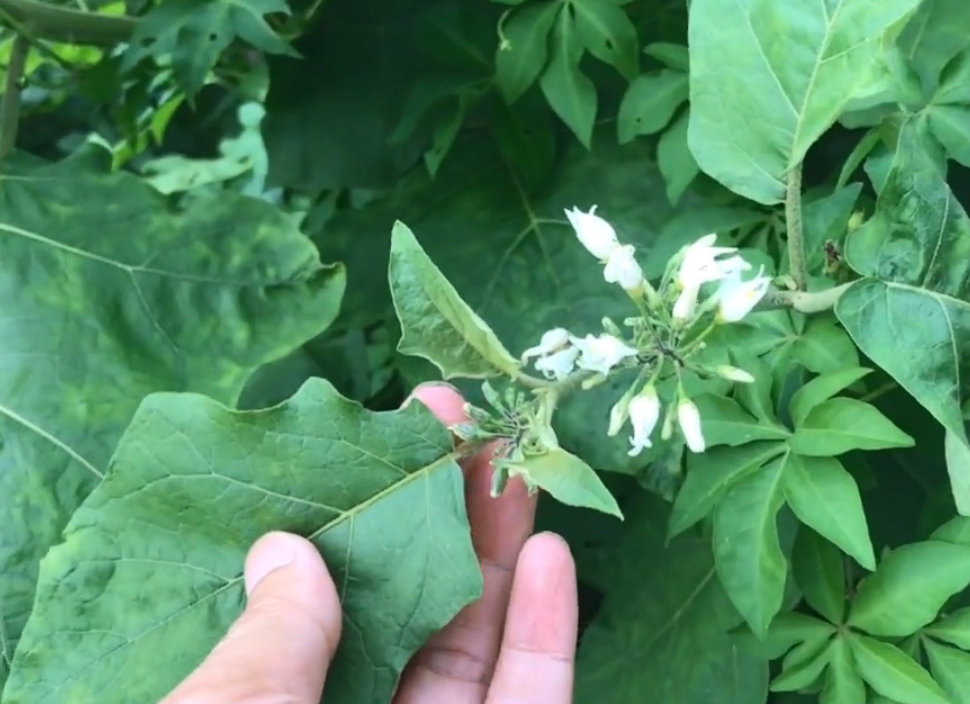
{"points": [[650, 103], [937, 32], [567, 479], [910, 587], [824, 219], [914, 322], [893, 674], [954, 628], [756, 396], [673, 55], [819, 572], [749, 559], [192, 485], [841, 424], [790, 628], [951, 670], [956, 530], [801, 674], [520, 62], [821, 389], [526, 135], [957, 454], [726, 423], [608, 34], [111, 294], [675, 160], [825, 496], [797, 88], [194, 35], [571, 94], [663, 624], [437, 325], [709, 474], [843, 684]]}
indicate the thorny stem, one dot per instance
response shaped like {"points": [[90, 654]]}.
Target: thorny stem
{"points": [[793, 224], [10, 110]]}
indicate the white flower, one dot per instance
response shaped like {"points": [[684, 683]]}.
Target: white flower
{"points": [[686, 303], [700, 264], [644, 414], [558, 365], [595, 234], [601, 353], [736, 298], [690, 425], [726, 371], [551, 341], [621, 268]]}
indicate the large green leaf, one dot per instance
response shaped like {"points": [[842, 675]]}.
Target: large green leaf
{"points": [[910, 587], [912, 317], [662, 628], [109, 295], [951, 669], [192, 485], [514, 258], [893, 674], [792, 68]]}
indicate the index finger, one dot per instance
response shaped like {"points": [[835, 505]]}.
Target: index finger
{"points": [[456, 664]]}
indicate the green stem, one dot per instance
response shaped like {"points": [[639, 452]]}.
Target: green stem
{"points": [[803, 301], [10, 109], [42, 20], [793, 224]]}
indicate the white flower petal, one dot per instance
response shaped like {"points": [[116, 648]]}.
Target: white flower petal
{"points": [[737, 298], [558, 365], [622, 268], [689, 419], [594, 233], [601, 353], [644, 412]]}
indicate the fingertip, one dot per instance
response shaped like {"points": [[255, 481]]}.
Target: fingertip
{"points": [[442, 399], [278, 549], [547, 552], [545, 584]]}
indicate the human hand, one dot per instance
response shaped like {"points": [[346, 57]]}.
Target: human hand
{"points": [[515, 645]]}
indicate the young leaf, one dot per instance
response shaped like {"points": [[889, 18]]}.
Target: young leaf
{"points": [[608, 34], [912, 318], [843, 684], [954, 628], [796, 95], [519, 63], [824, 496], [709, 474], [747, 552], [892, 673], [569, 480], [649, 103], [841, 424], [112, 294], [726, 423], [756, 396], [819, 572], [957, 455], [571, 94], [950, 668], [787, 630], [956, 530], [673, 55], [675, 160], [798, 675], [192, 485], [822, 388], [436, 324], [911, 585]]}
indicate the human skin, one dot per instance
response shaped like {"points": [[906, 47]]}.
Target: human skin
{"points": [[514, 645]]}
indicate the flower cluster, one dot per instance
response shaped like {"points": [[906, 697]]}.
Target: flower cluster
{"points": [[664, 334]]}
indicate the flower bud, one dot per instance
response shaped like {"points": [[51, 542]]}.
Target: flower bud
{"points": [[595, 234], [689, 419], [621, 268], [644, 412], [726, 371]]}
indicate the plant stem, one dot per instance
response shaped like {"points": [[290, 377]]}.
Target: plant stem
{"points": [[803, 301], [793, 224], [42, 20], [10, 109]]}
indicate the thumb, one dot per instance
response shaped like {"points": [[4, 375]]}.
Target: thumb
{"points": [[280, 647]]}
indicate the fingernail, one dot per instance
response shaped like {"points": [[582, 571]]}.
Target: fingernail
{"points": [[274, 552], [429, 385]]}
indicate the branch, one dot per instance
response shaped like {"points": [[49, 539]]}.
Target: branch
{"points": [[793, 223], [10, 109], [803, 301], [40, 20]]}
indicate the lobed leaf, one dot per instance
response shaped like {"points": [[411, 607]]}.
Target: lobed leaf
{"points": [[192, 486], [821, 389], [111, 294], [841, 424], [893, 674]]}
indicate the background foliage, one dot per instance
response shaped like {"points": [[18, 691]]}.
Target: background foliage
{"points": [[198, 336]]}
